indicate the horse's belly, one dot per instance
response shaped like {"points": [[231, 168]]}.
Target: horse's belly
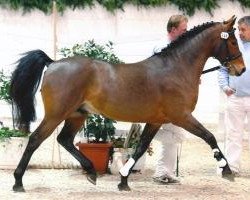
{"points": [[127, 113]]}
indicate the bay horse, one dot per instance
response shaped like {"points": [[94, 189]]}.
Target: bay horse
{"points": [[160, 89]]}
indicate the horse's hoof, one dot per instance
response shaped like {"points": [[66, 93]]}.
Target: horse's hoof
{"points": [[228, 176], [123, 187], [18, 188], [92, 178], [227, 173]]}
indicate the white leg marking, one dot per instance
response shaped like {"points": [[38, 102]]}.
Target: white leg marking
{"points": [[216, 150], [222, 163], [125, 169]]}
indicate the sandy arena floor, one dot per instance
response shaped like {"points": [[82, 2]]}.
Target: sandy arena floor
{"points": [[197, 172]]}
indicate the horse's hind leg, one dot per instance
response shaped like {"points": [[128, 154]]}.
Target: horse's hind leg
{"points": [[37, 137], [66, 139], [194, 127], [147, 135]]}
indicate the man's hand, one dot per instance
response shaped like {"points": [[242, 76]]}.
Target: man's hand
{"points": [[228, 91]]}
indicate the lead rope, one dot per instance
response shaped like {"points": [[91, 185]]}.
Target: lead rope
{"points": [[211, 69]]}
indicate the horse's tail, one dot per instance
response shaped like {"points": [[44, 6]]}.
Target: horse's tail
{"points": [[23, 86]]}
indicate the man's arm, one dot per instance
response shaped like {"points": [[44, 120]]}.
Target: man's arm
{"points": [[223, 80]]}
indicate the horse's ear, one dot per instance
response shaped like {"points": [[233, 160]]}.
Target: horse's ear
{"points": [[230, 21]]}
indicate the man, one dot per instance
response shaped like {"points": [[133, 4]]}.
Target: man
{"points": [[170, 135], [237, 90]]}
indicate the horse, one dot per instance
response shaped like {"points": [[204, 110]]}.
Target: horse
{"points": [[160, 89]]}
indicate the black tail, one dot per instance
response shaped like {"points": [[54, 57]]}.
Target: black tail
{"points": [[24, 83]]}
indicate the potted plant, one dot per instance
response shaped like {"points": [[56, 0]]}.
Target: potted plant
{"points": [[98, 129], [12, 141]]}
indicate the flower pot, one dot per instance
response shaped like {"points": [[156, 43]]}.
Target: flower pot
{"points": [[11, 151], [98, 153]]}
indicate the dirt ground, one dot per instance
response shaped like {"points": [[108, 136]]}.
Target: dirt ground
{"points": [[197, 172]]}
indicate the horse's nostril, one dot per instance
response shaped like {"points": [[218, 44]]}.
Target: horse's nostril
{"points": [[243, 70]]}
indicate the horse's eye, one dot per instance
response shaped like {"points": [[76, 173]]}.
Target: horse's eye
{"points": [[234, 43]]}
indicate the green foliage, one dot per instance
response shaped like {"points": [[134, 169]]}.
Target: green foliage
{"points": [[118, 142], [187, 6], [6, 133], [93, 50], [4, 87], [98, 128], [73, 4], [244, 3], [190, 6], [28, 5], [112, 5]]}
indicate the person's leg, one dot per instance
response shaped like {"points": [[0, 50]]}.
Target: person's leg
{"points": [[247, 128], [166, 163], [234, 120], [169, 137]]}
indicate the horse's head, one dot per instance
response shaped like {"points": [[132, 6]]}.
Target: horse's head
{"points": [[227, 50]]}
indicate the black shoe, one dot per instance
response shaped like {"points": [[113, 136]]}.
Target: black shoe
{"points": [[173, 180], [166, 179], [161, 179]]}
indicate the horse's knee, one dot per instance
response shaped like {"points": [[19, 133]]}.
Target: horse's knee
{"points": [[63, 140], [60, 139]]}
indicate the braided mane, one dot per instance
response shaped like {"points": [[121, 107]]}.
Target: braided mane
{"points": [[186, 36]]}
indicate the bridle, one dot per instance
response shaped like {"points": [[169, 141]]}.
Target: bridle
{"points": [[227, 61]]}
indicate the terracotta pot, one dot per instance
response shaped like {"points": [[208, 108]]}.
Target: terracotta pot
{"points": [[98, 153]]}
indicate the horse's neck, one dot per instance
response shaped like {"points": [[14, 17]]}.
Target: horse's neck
{"points": [[191, 55], [199, 49]]}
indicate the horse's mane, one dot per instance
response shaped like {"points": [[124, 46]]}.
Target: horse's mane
{"points": [[186, 36]]}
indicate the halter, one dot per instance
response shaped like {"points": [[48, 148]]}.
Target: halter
{"points": [[229, 58], [226, 62]]}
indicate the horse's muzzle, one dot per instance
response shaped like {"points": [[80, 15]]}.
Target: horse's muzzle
{"points": [[240, 73]]}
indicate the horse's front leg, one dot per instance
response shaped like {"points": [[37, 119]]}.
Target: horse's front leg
{"points": [[148, 134], [194, 127]]}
